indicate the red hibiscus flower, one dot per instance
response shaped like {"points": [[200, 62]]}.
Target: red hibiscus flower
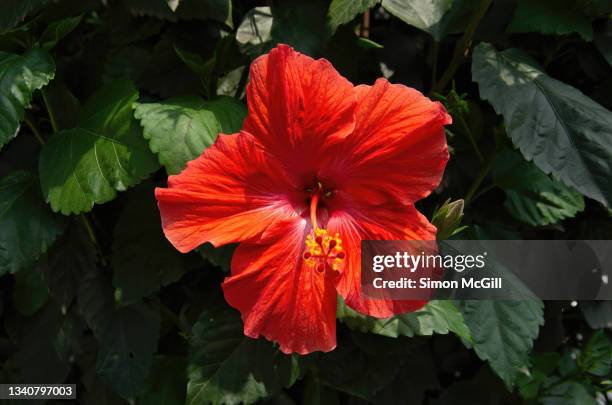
{"points": [[319, 165]]}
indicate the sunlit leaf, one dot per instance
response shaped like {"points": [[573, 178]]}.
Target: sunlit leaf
{"points": [[105, 153], [436, 317], [180, 129], [425, 15], [344, 11]]}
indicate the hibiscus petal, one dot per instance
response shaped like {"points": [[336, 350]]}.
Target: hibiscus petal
{"points": [[232, 192], [401, 222], [296, 105], [279, 296], [398, 150]]}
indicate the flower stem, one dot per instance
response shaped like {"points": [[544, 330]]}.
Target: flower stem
{"points": [[435, 47], [364, 32], [90, 232], [50, 110], [468, 132], [462, 48], [34, 128], [477, 182]]}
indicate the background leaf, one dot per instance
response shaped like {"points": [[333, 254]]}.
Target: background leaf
{"points": [[14, 11], [226, 367], [20, 76], [38, 358], [303, 26], [30, 292], [27, 225], [563, 131], [143, 260], [166, 383], [58, 30], [532, 196], [67, 262], [503, 333], [556, 17], [127, 336]]}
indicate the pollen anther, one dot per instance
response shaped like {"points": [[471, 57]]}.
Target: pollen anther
{"points": [[324, 251]]}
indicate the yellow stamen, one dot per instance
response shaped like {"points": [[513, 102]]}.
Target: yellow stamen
{"points": [[324, 251]]}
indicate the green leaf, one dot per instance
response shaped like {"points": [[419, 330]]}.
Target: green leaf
{"points": [[20, 76], [180, 129], [366, 43], [127, 348], [156, 8], [36, 356], [27, 225], [58, 30], [436, 317], [557, 17], [218, 10], [226, 57], [503, 333], [349, 369], [167, 382], [532, 196], [128, 62], [127, 336], [15, 11], [194, 62], [67, 261], [596, 357], [30, 292], [316, 393], [143, 260], [103, 154], [563, 131], [568, 392], [415, 377], [425, 15], [304, 27], [62, 104], [544, 365], [344, 11], [226, 367]]}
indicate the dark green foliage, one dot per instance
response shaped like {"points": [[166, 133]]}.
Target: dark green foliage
{"points": [[101, 100]]}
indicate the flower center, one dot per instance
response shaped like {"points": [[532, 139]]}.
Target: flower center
{"points": [[323, 251]]}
